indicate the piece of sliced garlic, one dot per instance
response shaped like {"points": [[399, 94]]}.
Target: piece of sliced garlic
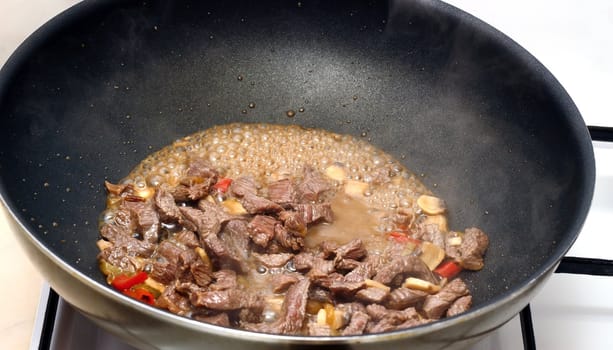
{"points": [[419, 284], [431, 254], [375, 284], [233, 206], [439, 220], [103, 244], [454, 241], [321, 317], [431, 205], [335, 172], [355, 188]]}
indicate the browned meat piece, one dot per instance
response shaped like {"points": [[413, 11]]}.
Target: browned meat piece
{"points": [[214, 210], [470, 253], [312, 185], [147, 220], [288, 240], [225, 300], [202, 273], [293, 310], [303, 261], [282, 192], [120, 227], [314, 213], [281, 282], [320, 268], [243, 186], [459, 306], [167, 207], [387, 320], [259, 205], [367, 269], [430, 233], [353, 250], [344, 289], [224, 255], [262, 229], [273, 260], [224, 279], [372, 295], [401, 298], [435, 305], [405, 266], [357, 324], [220, 319], [346, 264], [320, 294], [196, 191], [237, 232], [328, 248], [173, 301], [293, 222], [163, 271], [206, 223], [199, 171], [187, 238], [169, 250]]}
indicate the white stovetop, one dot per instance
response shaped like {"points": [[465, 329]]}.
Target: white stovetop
{"points": [[573, 39]]}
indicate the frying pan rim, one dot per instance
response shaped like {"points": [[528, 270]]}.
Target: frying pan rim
{"points": [[81, 9]]}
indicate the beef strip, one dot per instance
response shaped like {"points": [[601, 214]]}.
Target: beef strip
{"points": [[225, 256], [147, 220], [352, 251], [235, 239], [220, 319], [254, 204], [196, 191], [372, 295], [459, 306], [202, 273], [327, 248], [262, 229], [225, 300], [206, 223], [357, 324], [320, 268], [224, 279], [173, 301], [282, 192], [293, 222], [435, 305], [187, 238], [214, 209], [470, 252], [197, 171], [314, 213], [366, 269], [293, 310], [167, 207], [287, 240], [344, 289], [243, 186], [281, 282], [401, 298], [312, 185], [272, 260], [303, 261], [385, 320], [404, 266]]}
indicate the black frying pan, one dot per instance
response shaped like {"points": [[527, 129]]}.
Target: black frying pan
{"points": [[94, 91]]}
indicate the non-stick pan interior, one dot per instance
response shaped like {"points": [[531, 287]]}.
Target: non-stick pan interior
{"points": [[489, 129]]}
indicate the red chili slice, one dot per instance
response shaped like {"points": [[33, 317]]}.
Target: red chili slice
{"points": [[222, 184], [448, 269], [123, 282]]}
